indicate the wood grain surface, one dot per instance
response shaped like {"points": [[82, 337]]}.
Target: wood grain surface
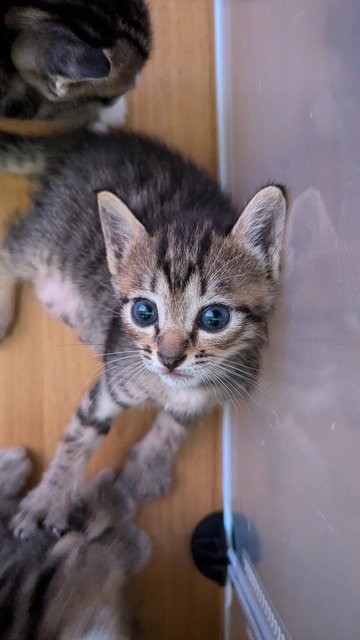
{"points": [[44, 370]]}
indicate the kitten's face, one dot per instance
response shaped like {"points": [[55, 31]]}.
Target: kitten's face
{"points": [[192, 300], [195, 306]]}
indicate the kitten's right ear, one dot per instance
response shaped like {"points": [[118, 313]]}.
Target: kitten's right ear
{"points": [[120, 228]]}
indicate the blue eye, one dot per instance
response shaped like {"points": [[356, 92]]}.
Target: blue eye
{"points": [[144, 313], [214, 318]]}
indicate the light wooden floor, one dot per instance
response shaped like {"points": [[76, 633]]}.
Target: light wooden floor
{"points": [[44, 371]]}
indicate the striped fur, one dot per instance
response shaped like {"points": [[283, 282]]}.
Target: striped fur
{"points": [[66, 59], [72, 588], [121, 218]]}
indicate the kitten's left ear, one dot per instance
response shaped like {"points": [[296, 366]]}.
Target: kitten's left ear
{"points": [[71, 62], [261, 225], [78, 61], [68, 60], [120, 228]]}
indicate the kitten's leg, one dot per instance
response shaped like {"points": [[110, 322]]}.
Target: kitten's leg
{"points": [[48, 504], [14, 267], [17, 263], [15, 469], [147, 473], [21, 155], [7, 296]]}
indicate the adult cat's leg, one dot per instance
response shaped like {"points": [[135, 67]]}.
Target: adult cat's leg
{"points": [[147, 473], [48, 503]]}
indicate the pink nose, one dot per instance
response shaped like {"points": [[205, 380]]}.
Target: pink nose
{"points": [[171, 361], [172, 347]]}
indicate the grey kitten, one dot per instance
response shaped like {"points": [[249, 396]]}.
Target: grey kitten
{"points": [[141, 252], [70, 59], [72, 588]]}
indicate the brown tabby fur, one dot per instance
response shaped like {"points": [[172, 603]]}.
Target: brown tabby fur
{"points": [[121, 218], [72, 588], [66, 59]]}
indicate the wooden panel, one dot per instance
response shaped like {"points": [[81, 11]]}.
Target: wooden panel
{"points": [[175, 97], [43, 370]]}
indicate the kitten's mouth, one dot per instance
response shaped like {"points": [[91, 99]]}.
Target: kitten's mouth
{"points": [[176, 378], [175, 375]]}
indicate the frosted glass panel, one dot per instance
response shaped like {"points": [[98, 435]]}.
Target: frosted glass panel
{"points": [[290, 112]]}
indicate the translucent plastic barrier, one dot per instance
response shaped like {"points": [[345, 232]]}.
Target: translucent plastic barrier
{"points": [[289, 98]]}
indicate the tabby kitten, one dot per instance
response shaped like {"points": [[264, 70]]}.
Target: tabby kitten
{"points": [[142, 253], [70, 589], [70, 59]]}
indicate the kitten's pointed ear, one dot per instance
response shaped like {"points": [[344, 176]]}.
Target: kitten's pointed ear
{"points": [[71, 62], [261, 225], [120, 228], [82, 62]]}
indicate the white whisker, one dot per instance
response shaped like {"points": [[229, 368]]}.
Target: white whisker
{"points": [[228, 392], [89, 382], [137, 373], [242, 375], [119, 379], [240, 364], [205, 379]]}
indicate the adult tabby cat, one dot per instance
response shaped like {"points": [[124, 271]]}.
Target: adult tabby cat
{"points": [[69, 59], [142, 253], [68, 589]]}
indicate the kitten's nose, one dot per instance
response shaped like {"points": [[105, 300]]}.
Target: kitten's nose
{"points": [[172, 350], [170, 362]]}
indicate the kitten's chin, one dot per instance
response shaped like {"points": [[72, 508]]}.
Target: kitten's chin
{"points": [[184, 382]]}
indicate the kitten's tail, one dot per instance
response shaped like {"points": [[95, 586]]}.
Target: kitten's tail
{"points": [[22, 155]]}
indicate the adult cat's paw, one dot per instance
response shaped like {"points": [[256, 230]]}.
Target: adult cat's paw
{"points": [[41, 509], [15, 469], [147, 474]]}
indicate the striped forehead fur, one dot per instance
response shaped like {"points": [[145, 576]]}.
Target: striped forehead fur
{"points": [[181, 252], [196, 255]]}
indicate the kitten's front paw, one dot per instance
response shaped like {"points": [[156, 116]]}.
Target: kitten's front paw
{"points": [[40, 510], [15, 469], [146, 475]]}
